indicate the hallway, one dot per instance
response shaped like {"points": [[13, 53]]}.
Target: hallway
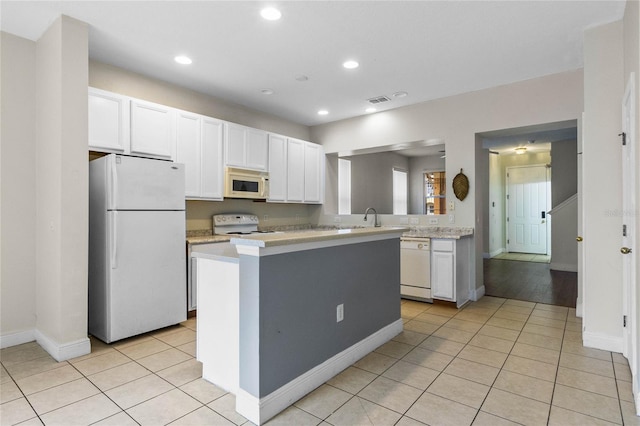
{"points": [[530, 281]]}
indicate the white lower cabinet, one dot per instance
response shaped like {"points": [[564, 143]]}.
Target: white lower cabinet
{"points": [[450, 269], [199, 142]]}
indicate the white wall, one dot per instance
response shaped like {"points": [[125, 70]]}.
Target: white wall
{"points": [[62, 189], [603, 90], [17, 189], [457, 119], [494, 241], [564, 169]]}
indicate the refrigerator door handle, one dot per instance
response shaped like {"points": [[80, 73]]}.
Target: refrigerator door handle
{"points": [[114, 239], [114, 186]]}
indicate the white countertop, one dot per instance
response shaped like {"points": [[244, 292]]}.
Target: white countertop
{"points": [[437, 232], [286, 238]]}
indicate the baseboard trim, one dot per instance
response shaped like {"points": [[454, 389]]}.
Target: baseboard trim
{"points": [[602, 341], [477, 293], [13, 339], [493, 253], [260, 410], [63, 352], [568, 267]]}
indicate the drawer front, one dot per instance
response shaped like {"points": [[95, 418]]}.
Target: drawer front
{"points": [[409, 291], [415, 245], [442, 245]]}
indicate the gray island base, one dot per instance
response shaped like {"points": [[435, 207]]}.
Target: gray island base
{"points": [[269, 318]]}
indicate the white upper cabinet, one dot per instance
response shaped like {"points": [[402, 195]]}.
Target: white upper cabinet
{"points": [[246, 147], [152, 129], [277, 168], [313, 173], [199, 147], [108, 121], [295, 170], [212, 159]]}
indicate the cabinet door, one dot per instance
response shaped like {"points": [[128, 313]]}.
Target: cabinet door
{"points": [[235, 145], [188, 151], [108, 121], [212, 165], [277, 168], [257, 149], [151, 129], [442, 275], [312, 173], [295, 170]]}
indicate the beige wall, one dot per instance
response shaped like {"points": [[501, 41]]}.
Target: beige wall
{"points": [[118, 80], [603, 90], [17, 189], [457, 119], [62, 188]]}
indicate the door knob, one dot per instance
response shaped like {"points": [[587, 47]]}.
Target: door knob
{"points": [[579, 239], [625, 250]]}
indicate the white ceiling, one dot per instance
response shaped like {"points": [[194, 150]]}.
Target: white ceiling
{"points": [[429, 49]]}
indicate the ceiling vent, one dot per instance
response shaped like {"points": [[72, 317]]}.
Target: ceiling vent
{"points": [[378, 100]]}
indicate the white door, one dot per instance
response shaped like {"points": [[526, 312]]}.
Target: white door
{"points": [[527, 206], [629, 226]]}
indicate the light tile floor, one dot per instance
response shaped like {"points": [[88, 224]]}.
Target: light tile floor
{"points": [[495, 362]]}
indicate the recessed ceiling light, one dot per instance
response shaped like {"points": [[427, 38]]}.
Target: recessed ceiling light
{"points": [[323, 112], [267, 92], [399, 94], [351, 65], [184, 60], [370, 109], [271, 14]]}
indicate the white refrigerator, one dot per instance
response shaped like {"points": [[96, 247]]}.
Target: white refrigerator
{"points": [[137, 251]]}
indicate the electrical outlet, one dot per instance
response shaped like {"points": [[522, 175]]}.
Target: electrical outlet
{"points": [[337, 219], [340, 312], [452, 205], [415, 221], [265, 217], [452, 218], [433, 221]]}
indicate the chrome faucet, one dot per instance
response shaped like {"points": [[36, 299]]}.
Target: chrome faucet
{"points": [[375, 220]]}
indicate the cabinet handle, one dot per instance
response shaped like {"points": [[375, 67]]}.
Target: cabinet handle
{"points": [[625, 250]]}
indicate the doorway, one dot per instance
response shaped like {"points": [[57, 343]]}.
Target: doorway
{"points": [[528, 278]]}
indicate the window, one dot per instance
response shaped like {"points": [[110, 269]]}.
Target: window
{"points": [[344, 186], [435, 197], [399, 191]]}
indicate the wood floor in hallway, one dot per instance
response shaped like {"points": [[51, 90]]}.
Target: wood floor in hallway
{"points": [[530, 281]]}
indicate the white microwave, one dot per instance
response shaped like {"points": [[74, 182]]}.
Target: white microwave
{"points": [[243, 183]]}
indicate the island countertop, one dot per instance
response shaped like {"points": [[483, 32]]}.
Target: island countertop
{"points": [[311, 236]]}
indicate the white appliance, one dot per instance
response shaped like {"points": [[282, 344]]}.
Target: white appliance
{"points": [[136, 246], [415, 269], [243, 183]]}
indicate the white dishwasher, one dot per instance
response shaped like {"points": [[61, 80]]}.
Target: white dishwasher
{"points": [[415, 268]]}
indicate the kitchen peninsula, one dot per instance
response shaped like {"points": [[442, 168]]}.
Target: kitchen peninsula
{"points": [[284, 312]]}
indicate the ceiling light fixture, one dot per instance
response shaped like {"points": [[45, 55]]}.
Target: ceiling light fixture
{"points": [[267, 92], [399, 94], [521, 150], [183, 60], [351, 64], [370, 109], [271, 14], [323, 112]]}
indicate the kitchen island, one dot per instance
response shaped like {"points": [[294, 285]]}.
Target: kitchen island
{"points": [[291, 310]]}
